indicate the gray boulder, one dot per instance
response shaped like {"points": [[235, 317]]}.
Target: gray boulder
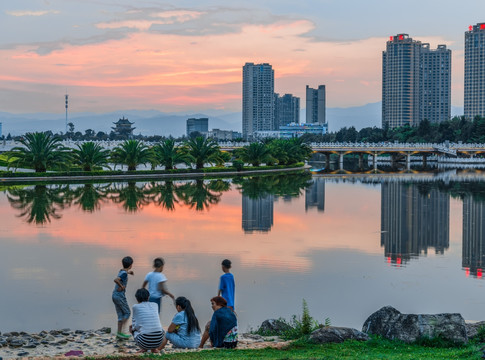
{"points": [[273, 326], [334, 334], [391, 324], [472, 328]]}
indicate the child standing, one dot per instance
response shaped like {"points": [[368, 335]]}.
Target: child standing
{"points": [[226, 284], [157, 283], [119, 297]]}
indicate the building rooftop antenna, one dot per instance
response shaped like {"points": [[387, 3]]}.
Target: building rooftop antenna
{"points": [[67, 105]]}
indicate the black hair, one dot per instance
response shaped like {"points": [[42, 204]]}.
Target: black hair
{"points": [[226, 263], [127, 261], [158, 262], [142, 295], [192, 322]]}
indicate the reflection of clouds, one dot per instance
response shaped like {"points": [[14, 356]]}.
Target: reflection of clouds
{"points": [[21, 13]]}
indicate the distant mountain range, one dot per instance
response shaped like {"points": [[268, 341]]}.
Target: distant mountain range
{"points": [[149, 122]]}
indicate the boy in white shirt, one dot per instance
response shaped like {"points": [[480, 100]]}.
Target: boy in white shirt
{"points": [[157, 283]]}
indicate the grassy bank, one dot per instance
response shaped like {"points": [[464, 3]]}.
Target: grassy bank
{"points": [[373, 349]]}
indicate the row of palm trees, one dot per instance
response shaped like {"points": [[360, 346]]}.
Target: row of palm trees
{"points": [[42, 151]]}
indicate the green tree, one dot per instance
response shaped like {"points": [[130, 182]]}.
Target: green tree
{"points": [[89, 155], [40, 151], [132, 153], [255, 154], [168, 155], [90, 197], [201, 151], [290, 151]]}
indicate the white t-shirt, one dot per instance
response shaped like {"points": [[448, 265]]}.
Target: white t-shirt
{"points": [[145, 318], [154, 278]]}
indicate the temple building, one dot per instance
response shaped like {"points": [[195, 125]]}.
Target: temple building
{"points": [[123, 129]]}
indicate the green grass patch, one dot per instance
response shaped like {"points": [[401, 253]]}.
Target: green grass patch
{"points": [[373, 349]]}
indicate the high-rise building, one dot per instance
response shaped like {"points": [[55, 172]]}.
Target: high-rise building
{"points": [[416, 82], [474, 103], [258, 99], [287, 110], [315, 195], [200, 125], [435, 83], [0, 129], [315, 105]]}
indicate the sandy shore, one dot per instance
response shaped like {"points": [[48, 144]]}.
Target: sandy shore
{"points": [[66, 343]]}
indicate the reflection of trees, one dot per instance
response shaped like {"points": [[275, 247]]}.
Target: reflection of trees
{"points": [[165, 194], [281, 185], [90, 196], [201, 195], [39, 204], [131, 196]]}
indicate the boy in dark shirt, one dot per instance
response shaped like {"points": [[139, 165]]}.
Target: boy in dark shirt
{"points": [[119, 298]]}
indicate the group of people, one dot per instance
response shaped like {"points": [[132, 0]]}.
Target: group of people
{"points": [[184, 330]]}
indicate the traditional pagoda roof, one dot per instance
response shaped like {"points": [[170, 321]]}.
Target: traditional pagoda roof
{"points": [[123, 121]]}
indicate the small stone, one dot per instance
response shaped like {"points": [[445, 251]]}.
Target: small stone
{"points": [[16, 342], [49, 338], [23, 353], [106, 330], [30, 345], [54, 332], [61, 342], [79, 332]]}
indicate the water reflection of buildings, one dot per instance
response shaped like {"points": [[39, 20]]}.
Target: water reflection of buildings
{"points": [[257, 213], [315, 195], [473, 256], [412, 222]]}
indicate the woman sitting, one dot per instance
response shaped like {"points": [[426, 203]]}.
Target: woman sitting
{"points": [[146, 327], [184, 331], [222, 329]]}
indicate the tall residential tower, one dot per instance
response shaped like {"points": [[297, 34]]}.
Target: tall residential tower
{"points": [[474, 103], [315, 105], [416, 82], [258, 99]]}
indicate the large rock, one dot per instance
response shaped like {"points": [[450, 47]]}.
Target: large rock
{"points": [[273, 327], [472, 328], [333, 334], [391, 324]]}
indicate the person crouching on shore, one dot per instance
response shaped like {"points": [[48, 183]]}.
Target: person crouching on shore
{"points": [[222, 329], [146, 327]]}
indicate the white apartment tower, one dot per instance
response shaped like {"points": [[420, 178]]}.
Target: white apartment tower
{"points": [[474, 103], [416, 82], [315, 105], [258, 99]]}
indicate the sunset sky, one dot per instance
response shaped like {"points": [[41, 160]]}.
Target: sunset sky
{"points": [[187, 55]]}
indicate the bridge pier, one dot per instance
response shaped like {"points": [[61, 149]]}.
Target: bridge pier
{"points": [[327, 161], [408, 161], [341, 161], [361, 160], [374, 160], [425, 160]]}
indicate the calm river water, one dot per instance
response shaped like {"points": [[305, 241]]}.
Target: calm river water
{"points": [[347, 245]]}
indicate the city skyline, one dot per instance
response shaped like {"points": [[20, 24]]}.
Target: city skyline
{"points": [[187, 56]]}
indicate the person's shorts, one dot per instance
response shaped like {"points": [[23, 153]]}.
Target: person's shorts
{"points": [[121, 305], [150, 341]]}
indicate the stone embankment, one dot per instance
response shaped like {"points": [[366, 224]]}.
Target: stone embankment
{"points": [[65, 343]]}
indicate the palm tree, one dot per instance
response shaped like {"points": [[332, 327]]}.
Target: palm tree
{"points": [[168, 155], [201, 151], [89, 155], [255, 154], [291, 151], [131, 196], [198, 195], [132, 153], [41, 150], [165, 195]]}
